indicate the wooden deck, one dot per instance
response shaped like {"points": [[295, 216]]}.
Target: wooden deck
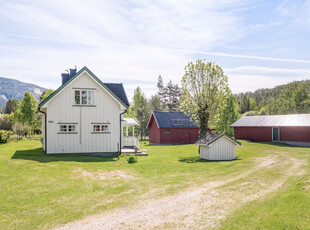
{"points": [[127, 151]]}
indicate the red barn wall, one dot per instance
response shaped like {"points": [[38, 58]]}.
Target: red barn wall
{"points": [[154, 132], [254, 133], [179, 135], [298, 134], [264, 134]]}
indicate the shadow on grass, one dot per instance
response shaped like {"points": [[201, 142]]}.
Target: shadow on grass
{"points": [[279, 144], [199, 160], [38, 155]]}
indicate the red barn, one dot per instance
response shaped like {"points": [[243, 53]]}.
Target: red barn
{"points": [[292, 129], [172, 128]]}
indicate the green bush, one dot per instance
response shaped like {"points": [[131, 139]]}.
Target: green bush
{"points": [[5, 136], [132, 159]]}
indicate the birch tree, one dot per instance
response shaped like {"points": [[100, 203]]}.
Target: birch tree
{"points": [[204, 92]]}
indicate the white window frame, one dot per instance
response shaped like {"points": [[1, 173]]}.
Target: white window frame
{"points": [[88, 100], [64, 128], [278, 134], [102, 128]]}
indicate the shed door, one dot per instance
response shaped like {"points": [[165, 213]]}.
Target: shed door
{"points": [[275, 134]]}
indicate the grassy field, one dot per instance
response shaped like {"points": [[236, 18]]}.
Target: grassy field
{"points": [[44, 191]]}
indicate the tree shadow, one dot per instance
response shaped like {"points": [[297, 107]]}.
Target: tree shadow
{"points": [[38, 155], [197, 159]]}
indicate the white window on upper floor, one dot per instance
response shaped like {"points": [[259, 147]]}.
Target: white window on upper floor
{"points": [[84, 97]]}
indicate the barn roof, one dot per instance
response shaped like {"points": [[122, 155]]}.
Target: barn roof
{"points": [[273, 120], [115, 89], [172, 120], [210, 138]]}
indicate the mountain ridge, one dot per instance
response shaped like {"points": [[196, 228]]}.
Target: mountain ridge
{"points": [[12, 88]]}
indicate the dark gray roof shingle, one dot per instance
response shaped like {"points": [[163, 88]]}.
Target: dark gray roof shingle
{"points": [[173, 120], [119, 91]]}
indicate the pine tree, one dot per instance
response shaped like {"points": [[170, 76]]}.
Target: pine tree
{"points": [[10, 106]]}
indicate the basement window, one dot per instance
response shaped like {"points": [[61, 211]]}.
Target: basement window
{"points": [[166, 131]]}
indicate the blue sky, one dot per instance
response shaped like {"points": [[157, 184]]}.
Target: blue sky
{"points": [[259, 44]]}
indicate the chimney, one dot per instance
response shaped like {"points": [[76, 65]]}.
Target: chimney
{"points": [[72, 72], [67, 76]]}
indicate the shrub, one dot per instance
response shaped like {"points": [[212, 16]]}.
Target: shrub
{"points": [[5, 123], [132, 159], [5, 136], [20, 129]]}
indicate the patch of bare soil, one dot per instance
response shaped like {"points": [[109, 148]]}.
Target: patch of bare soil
{"points": [[196, 208], [104, 175]]}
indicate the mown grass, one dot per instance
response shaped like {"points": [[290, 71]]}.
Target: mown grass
{"points": [[44, 191]]}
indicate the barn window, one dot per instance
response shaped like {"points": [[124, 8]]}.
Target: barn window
{"points": [[84, 97], [167, 131]]}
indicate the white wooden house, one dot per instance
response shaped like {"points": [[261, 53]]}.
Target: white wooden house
{"points": [[217, 147], [84, 115]]}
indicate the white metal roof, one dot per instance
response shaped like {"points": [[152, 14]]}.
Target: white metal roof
{"points": [[273, 120], [130, 121]]}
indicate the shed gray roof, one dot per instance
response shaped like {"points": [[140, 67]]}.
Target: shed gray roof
{"points": [[210, 138], [273, 120]]}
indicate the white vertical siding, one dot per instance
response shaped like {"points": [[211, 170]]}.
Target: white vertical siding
{"points": [[61, 109], [204, 152], [221, 149]]}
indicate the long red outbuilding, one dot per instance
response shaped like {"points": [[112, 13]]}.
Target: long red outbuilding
{"points": [[291, 129], [172, 128]]}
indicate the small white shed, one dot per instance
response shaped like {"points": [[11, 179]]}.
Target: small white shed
{"points": [[217, 147]]}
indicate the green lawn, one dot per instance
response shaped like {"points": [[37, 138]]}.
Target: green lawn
{"points": [[44, 191]]}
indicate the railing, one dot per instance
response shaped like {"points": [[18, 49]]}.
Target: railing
{"points": [[131, 141]]}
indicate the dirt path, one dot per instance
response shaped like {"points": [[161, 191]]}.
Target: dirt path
{"points": [[197, 208]]}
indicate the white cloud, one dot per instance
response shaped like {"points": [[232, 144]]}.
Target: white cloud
{"points": [[127, 41], [250, 82]]}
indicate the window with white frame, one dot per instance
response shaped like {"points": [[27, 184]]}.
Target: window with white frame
{"points": [[67, 128], [101, 128], [84, 97]]}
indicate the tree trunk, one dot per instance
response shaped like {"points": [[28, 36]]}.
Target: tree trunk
{"points": [[141, 127], [204, 116]]}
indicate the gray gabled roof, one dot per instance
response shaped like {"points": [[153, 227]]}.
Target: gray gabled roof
{"points": [[210, 138], [172, 120], [273, 120], [115, 89]]}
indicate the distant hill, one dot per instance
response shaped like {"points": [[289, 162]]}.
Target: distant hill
{"points": [[10, 88], [263, 94], [293, 97]]}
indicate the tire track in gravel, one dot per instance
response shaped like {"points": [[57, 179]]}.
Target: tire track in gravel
{"points": [[196, 208]]}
